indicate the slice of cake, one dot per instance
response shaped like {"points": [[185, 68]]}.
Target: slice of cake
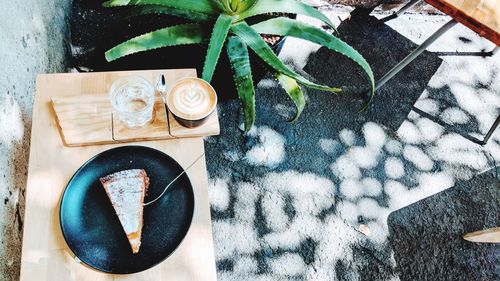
{"points": [[126, 190]]}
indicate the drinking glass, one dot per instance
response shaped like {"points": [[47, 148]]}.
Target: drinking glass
{"points": [[133, 99]]}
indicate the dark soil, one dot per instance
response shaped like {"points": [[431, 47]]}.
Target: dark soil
{"points": [[95, 29]]}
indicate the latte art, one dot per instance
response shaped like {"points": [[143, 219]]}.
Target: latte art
{"points": [[191, 99]]}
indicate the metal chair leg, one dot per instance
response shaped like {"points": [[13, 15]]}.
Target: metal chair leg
{"points": [[491, 131], [413, 55], [399, 12], [459, 130]]}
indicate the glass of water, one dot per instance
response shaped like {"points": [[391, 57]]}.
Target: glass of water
{"points": [[133, 98]]}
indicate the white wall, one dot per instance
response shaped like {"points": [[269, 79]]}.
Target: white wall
{"points": [[33, 38]]}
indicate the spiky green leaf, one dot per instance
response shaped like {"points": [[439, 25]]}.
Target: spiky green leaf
{"points": [[159, 9], [233, 5], [219, 34], [171, 36], [287, 27], [200, 6], [219, 4], [255, 42], [292, 88], [240, 63], [294, 91], [244, 5], [287, 7]]}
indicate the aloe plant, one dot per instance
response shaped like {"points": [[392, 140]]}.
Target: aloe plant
{"points": [[223, 23]]}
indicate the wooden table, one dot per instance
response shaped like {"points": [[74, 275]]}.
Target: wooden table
{"points": [[45, 255], [482, 16], [491, 235]]}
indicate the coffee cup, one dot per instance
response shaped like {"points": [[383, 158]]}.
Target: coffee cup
{"points": [[191, 101]]}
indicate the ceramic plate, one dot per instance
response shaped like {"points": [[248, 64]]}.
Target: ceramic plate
{"points": [[91, 227]]}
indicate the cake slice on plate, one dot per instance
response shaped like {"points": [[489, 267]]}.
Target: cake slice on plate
{"points": [[126, 190]]}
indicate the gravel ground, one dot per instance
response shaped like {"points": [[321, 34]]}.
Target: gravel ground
{"points": [[381, 195], [325, 198]]}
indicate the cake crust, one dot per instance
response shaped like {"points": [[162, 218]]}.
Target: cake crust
{"points": [[126, 190]]}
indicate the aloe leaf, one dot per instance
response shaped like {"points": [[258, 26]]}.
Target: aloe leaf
{"points": [[200, 6], [158, 9], [285, 6], [171, 36], [294, 91], [255, 42], [233, 5], [240, 63], [288, 27], [246, 4], [219, 34], [218, 4]]}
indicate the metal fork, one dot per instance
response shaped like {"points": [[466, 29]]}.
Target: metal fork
{"points": [[175, 179]]}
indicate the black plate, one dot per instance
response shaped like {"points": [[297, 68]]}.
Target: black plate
{"points": [[91, 227]]}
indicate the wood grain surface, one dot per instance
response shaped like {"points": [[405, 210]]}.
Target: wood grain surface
{"points": [[45, 255], [210, 128], [87, 118], [491, 235], [482, 16], [83, 119], [157, 129]]}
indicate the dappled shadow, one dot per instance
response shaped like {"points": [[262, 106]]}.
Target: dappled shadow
{"points": [[430, 232], [383, 48], [300, 196], [310, 200], [320, 180], [464, 103]]}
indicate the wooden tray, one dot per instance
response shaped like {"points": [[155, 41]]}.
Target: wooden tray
{"points": [[45, 255], [88, 118]]}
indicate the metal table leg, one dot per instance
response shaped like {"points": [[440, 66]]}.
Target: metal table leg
{"points": [[495, 50], [413, 55]]}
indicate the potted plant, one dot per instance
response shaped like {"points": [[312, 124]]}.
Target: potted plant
{"points": [[224, 23]]}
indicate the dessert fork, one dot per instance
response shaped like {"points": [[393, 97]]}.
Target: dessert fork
{"points": [[175, 179]]}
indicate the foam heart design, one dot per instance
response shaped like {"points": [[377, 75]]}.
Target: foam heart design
{"points": [[191, 99], [193, 95]]}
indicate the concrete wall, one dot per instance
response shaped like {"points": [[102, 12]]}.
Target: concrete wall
{"points": [[33, 39]]}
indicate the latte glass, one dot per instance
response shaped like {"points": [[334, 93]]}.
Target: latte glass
{"points": [[133, 99]]}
